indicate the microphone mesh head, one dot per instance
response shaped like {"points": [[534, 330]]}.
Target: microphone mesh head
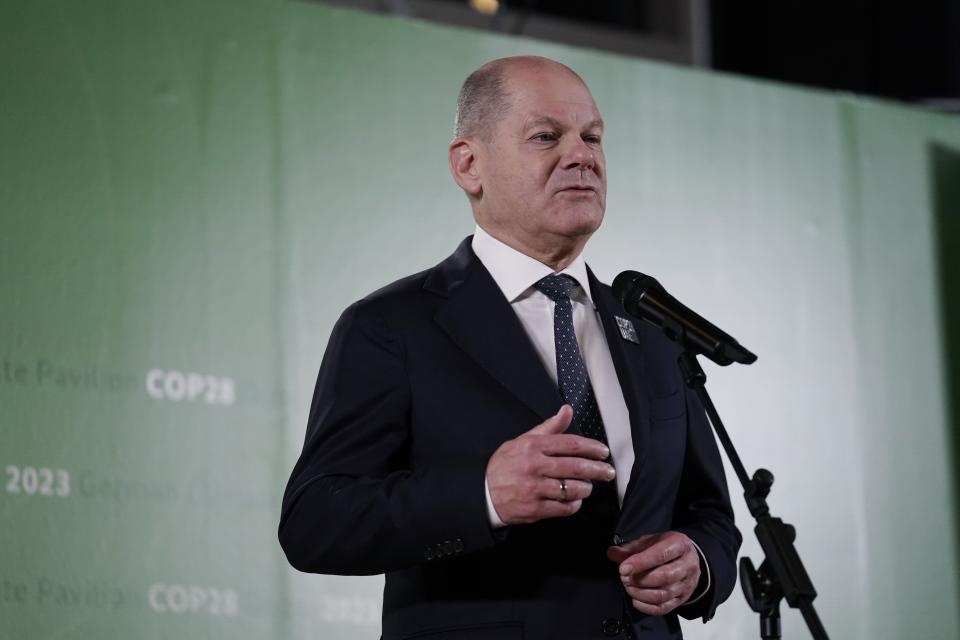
{"points": [[634, 284]]}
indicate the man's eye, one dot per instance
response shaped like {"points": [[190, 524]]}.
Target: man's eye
{"points": [[545, 136], [591, 139]]}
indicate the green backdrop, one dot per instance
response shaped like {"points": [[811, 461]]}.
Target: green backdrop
{"points": [[192, 192]]}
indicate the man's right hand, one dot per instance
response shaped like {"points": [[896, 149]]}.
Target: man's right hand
{"points": [[525, 475]]}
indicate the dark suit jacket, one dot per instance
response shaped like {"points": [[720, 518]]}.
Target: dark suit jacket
{"points": [[420, 383]]}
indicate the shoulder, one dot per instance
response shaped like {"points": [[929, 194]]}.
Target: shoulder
{"points": [[398, 292], [416, 297], [388, 306]]}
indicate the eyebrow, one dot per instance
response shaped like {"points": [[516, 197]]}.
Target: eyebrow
{"points": [[597, 123]]}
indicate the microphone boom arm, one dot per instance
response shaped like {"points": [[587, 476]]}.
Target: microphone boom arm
{"points": [[781, 574]]}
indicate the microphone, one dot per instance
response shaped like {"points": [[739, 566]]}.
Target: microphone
{"points": [[642, 296]]}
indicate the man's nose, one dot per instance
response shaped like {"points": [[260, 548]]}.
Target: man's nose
{"points": [[579, 155]]}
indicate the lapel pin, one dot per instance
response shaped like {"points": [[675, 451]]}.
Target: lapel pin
{"points": [[627, 330]]}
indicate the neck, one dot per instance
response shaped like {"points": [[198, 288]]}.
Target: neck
{"points": [[557, 254], [557, 259]]}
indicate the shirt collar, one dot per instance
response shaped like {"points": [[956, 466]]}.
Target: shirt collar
{"points": [[516, 272]]}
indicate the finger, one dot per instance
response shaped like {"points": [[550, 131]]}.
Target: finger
{"points": [[654, 596], [577, 468], [569, 444], [556, 423], [669, 574], [549, 488], [621, 552], [557, 509], [617, 554], [659, 554], [657, 610]]}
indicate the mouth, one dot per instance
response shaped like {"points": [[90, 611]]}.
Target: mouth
{"points": [[579, 189]]}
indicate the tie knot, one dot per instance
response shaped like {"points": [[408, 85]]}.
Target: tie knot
{"points": [[556, 287]]}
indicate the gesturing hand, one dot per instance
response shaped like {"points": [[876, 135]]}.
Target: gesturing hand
{"points": [[526, 475], [659, 571]]}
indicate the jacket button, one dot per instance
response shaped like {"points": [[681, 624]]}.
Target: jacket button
{"points": [[458, 545], [610, 627], [617, 540]]}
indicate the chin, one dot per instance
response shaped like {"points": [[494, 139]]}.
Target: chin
{"points": [[580, 221]]}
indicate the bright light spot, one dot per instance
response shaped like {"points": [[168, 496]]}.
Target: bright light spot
{"points": [[486, 7]]}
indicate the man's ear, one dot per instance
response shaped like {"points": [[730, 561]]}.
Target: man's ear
{"points": [[463, 166]]}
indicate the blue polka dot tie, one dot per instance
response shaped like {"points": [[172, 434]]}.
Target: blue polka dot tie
{"points": [[571, 372]]}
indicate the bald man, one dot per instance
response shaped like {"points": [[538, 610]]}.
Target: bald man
{"points": [[496, 434]]}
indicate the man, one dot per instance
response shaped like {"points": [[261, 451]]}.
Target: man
{"points": [[495, 434]]}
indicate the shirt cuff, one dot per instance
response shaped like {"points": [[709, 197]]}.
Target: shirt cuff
{"points": [[492, 515], [703, 563]]}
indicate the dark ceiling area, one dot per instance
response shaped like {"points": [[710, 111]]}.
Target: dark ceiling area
{"points": [[901, 51], [898, 51]]}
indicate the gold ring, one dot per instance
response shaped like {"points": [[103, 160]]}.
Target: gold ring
{"points": [[563, 491]]}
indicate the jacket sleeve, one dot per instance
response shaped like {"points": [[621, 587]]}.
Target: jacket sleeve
{"points": [[703, 512], [353, 504]]}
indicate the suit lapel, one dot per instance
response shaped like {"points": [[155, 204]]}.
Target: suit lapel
{"points": [[630, 371], [480, 321]]}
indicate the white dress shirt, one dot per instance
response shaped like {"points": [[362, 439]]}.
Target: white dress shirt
{"points": [[516, 273]]}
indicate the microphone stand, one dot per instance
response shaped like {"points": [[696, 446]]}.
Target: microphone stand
{"points": [[781, 574]]}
